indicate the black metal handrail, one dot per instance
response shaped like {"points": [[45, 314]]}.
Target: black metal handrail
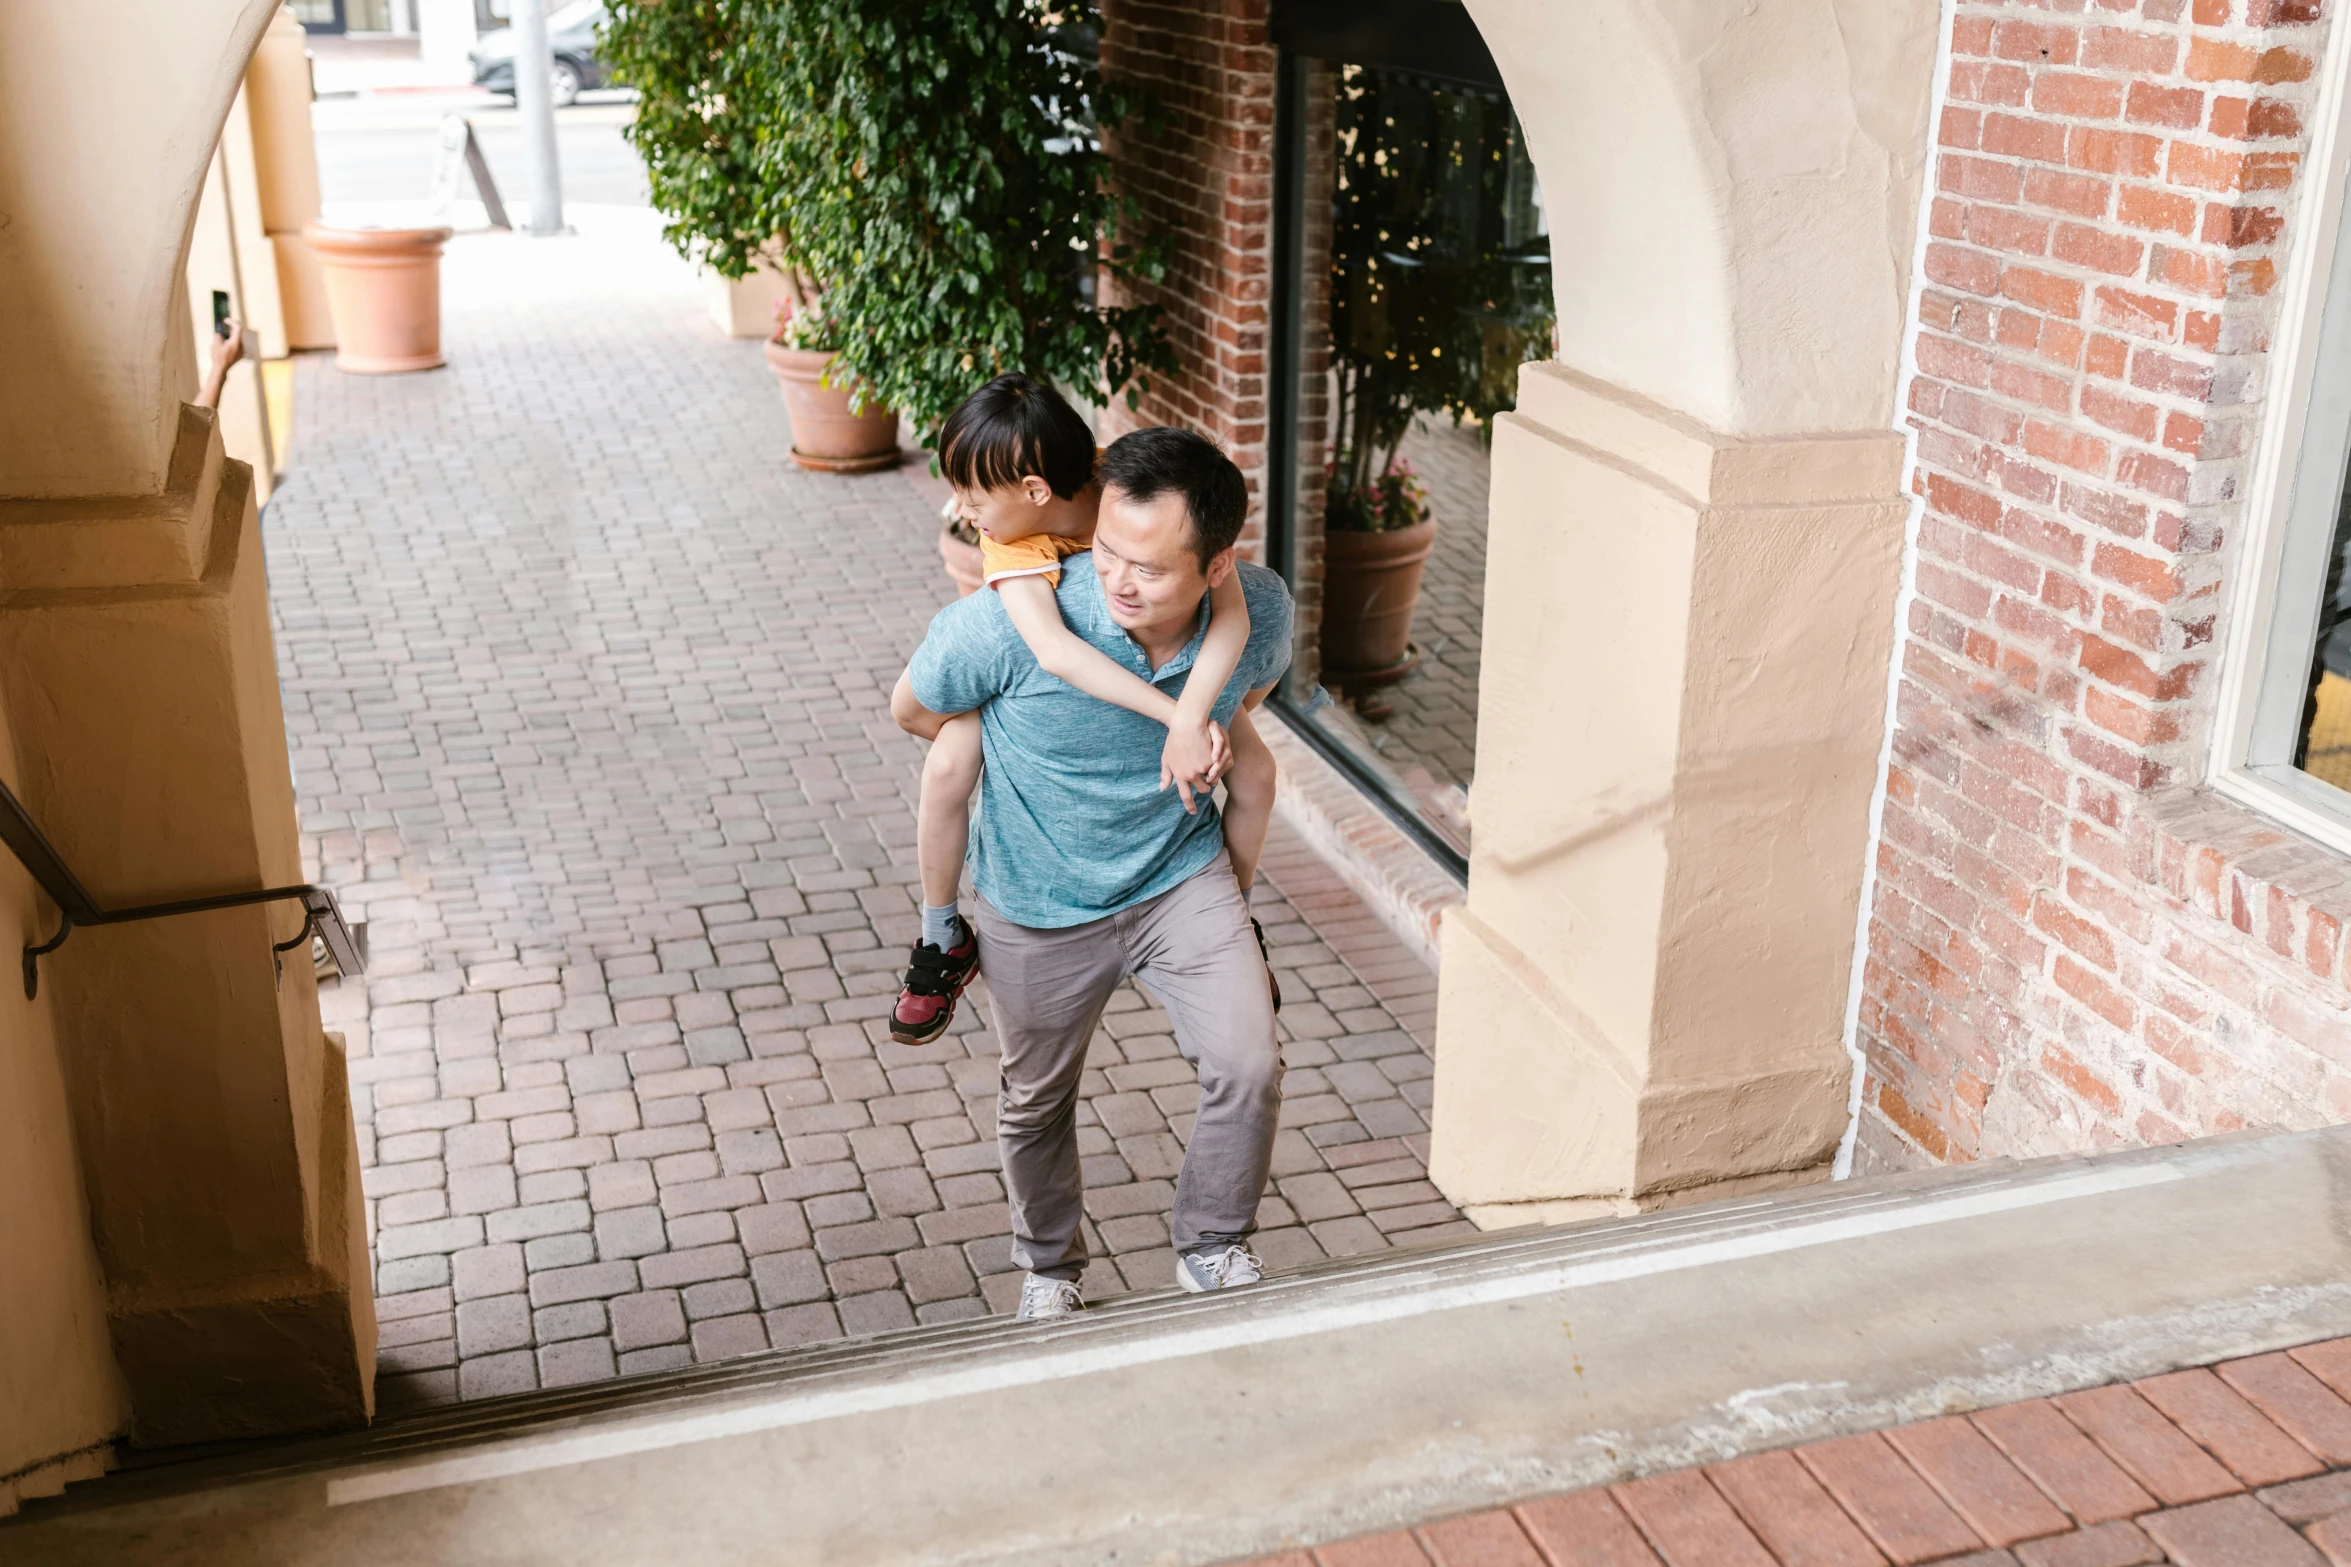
{"points": [[321, 915]]}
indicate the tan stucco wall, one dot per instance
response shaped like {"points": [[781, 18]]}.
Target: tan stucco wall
{"points": [[59, 1392], [1693, 550], [210, 1111], [106, 125], [205, 1112], [1732, 191]]}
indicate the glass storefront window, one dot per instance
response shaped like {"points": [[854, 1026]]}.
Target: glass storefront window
{"points": [[1419, 282]]}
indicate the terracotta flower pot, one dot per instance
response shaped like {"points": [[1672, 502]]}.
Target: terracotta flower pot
{"points": [[964, 567], [384, 292], [1370, 583], [826, 436]]}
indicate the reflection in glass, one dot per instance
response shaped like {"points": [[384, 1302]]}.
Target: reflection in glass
{"points": [[1437, 288], [2325, 750]]}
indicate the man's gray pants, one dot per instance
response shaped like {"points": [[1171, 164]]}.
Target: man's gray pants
{"points": [[1192, 946]]}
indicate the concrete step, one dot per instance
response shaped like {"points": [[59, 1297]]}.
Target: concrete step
{"points": [[1328, 1402]]}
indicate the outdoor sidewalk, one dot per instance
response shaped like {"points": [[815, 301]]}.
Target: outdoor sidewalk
{"points": [[2214, 1467], [585, 685]]}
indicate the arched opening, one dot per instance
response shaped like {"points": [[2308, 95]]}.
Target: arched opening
{"points": [[1670, 634]]}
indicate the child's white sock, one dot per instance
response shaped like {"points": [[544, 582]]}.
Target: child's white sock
{"points": [[942, 927]]}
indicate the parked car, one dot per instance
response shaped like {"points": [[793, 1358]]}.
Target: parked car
{"points": [[571, 37]]}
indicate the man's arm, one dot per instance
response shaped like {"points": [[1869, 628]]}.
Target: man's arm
{"points": [[911, 715]]}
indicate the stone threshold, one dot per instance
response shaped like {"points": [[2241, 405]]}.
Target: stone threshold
{"points": [[1375, 1394]]}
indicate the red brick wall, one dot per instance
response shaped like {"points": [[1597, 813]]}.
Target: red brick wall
{"points": [[1208, 183], [2071, 945]]}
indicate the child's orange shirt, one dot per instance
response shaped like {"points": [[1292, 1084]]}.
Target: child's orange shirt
{"points": [[1038, 555]]}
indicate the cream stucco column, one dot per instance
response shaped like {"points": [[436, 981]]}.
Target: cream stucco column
{"points": [[1692, 560], [1679, 714], [211, 1114]]}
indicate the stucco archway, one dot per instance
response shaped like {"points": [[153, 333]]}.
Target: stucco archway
{"points": [[187, 1223], [1693, 556]]}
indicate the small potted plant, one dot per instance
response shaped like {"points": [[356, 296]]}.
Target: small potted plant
{"points": [[1377, 535], [837, 427]]}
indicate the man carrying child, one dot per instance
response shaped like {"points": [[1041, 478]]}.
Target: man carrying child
{"points": [[1087, 869]]}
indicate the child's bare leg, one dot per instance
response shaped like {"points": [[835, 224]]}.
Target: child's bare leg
{"points": [[943, 820], [945, 955], [1248, 807]]}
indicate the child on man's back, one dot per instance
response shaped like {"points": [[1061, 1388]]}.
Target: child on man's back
{"points": [[1022, 464]]}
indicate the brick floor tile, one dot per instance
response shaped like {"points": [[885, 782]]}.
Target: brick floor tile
{"points": [[1585, 1529], [2306, 1501], [2061, 1461], [1688, 1523], [2154, 1451], [795, 1325], [1791, 1513], [484, 1270], [1398, 1549], [491, 1376], [2235, 1531], [497, 1323], [1898, 1510], [2328, 1360], [877, 1312], [717, 1298], [1991, 1494], [554, 1286], [641, 1321], [1491, 1539], [576, 1361], [580, 1319], [2332, 1536], [1348, 1237], [2229, 1428], [2117, 1543], [719, 1338], [867, 1239], [2294, 1400]]}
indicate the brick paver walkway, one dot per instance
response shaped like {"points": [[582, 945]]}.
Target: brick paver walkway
{"points": [[2242, 1464], [1430, 735], [586, 687]]}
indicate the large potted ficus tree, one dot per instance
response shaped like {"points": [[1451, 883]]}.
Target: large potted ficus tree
{"points": [[927, 171], [1436, 299]]}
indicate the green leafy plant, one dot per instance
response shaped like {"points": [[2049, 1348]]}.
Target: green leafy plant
{"points": [[1440, 279], [932, 167]]}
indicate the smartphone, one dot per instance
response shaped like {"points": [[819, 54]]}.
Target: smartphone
{"points": [[220, 314]]}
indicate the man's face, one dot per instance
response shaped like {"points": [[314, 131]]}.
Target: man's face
{"points": [[1151, 576]]}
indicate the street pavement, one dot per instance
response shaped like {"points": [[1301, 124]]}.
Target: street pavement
{"points": [[585, 686]]}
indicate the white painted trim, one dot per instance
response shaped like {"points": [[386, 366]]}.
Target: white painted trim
{"points": [[2262, 522], [1317, 1313], [1938, 91], [995, 577]]}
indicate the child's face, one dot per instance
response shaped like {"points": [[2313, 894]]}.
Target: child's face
{"points": [[1013, 512]]}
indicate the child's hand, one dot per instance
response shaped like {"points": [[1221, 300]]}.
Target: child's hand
{"points": [[1193, 759]]}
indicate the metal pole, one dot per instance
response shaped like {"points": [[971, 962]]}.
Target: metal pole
{"points": [[534, 63]]}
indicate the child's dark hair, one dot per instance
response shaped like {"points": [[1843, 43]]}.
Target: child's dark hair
{"points": [[1149, 463], [1011, 428]]}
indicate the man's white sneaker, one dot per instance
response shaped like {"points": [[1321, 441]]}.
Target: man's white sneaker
{"points": [[1042, 1297], [1226, 1268]]}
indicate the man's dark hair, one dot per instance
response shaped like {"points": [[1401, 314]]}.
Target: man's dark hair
{"points": [[1150, 463], [1011, 428]]}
